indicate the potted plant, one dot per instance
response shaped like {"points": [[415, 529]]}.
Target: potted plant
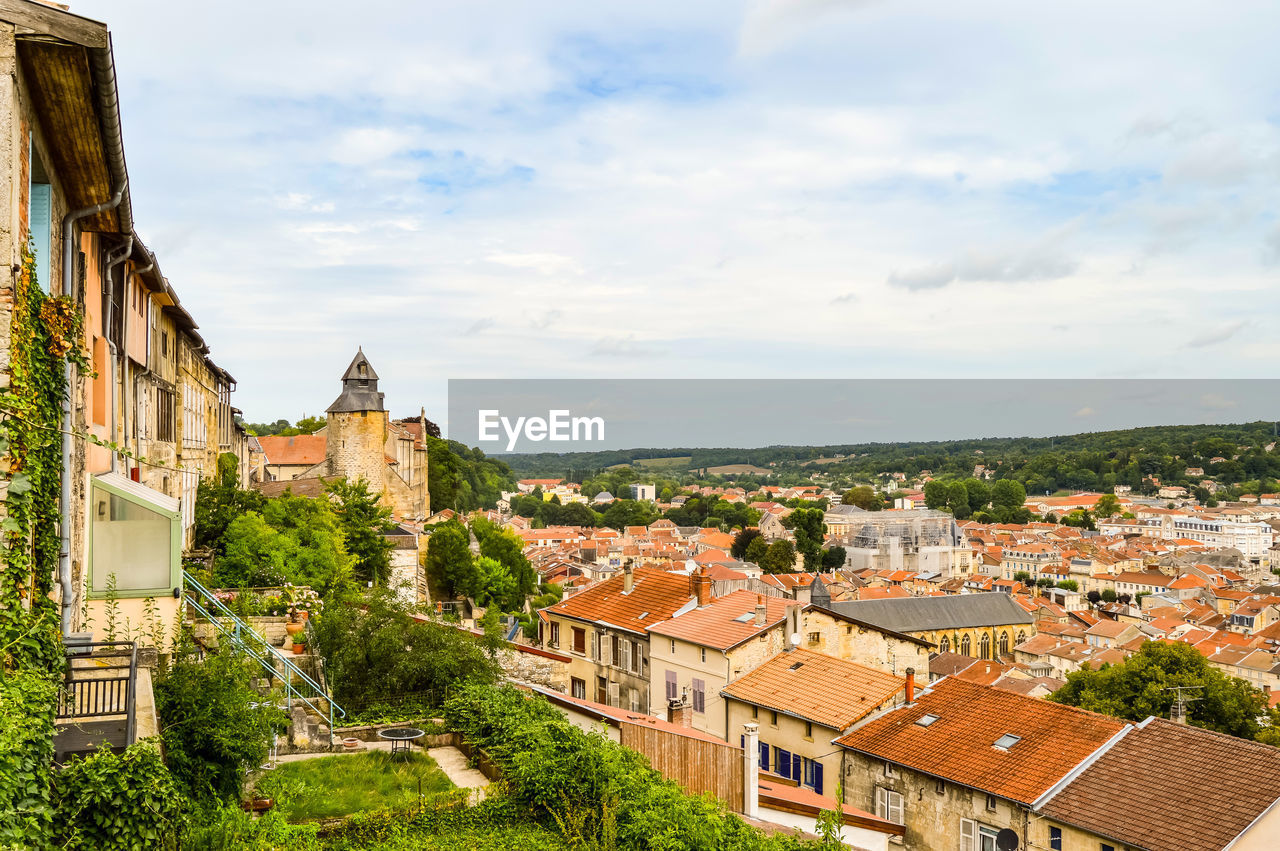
{"points": [[298, 646]]}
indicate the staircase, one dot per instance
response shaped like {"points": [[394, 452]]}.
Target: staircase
{"points": [[299, 687]]}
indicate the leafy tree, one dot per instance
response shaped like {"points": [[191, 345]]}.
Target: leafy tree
{"points": [[507, 550], [374, 648], [465, 479], [364, 521], [756, 551], [1022, 576], [1108, 595], [833, 558], [780, 557], [213, 725], [864, 497], [1093, 597], [450, 565], [958, 500], [936, 495], [742, 541], [219, 501], [1140, 686], [1008, 494], [1106, 506], [1069, 585], [622, 513], [979, 493], [807, 525]]}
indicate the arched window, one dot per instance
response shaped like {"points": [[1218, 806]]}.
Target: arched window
{"points": [[965, 646], [944, 646], [1022, 636], [1004, 644], [985, 651]]}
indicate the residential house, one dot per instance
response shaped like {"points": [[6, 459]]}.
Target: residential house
{"points": [[982, 625], [801, 701]]}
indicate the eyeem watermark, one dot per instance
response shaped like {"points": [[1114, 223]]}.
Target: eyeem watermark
{"points": [[558, 425]]}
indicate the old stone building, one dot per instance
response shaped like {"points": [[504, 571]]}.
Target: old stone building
{"points": [[358, 441]]}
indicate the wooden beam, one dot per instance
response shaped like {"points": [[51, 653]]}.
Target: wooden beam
{"points": [[46, 20]]}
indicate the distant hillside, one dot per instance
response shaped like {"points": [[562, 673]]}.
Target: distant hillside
{"points": [[1086, 460]]}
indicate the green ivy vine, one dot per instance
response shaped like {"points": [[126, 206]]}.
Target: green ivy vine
{"points": [[45, 331]]}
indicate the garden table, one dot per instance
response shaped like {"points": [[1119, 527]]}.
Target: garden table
{"points": [[401, 738]]}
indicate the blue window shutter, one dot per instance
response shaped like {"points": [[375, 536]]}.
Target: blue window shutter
{"points": [[40, 217], [742, 742], [764, 756], [795, 768], [817, 777], [784, 763]]}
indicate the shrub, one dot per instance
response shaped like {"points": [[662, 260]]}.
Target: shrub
{"points": [[123, 801], [27, 701], [210, 729]]}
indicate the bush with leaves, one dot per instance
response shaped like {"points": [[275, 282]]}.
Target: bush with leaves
{"points": [[365, 522], [219, 501], [27, 701], [450, 563], [210, 727], [375, 648], [595, 793], [109, 801], [295, 539]]}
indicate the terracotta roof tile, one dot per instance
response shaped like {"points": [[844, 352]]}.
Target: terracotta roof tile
{"points": [[1212, 786], [960, 745], [816, 687], [299, 449], [655, 596], [723, 623]]}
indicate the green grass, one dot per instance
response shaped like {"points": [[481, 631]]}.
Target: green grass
{"points": [[339, 785]]}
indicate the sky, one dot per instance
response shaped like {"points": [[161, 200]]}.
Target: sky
{"points": [[765, 189]]}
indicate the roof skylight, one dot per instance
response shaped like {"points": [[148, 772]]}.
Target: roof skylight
{"points": [[745, 617], [926, 719], [1007, 741]]}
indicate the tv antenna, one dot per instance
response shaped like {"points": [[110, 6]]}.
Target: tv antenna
{"points": [[1178, 712]]}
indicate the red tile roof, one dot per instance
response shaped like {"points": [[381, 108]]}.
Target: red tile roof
{"points": [[654, 598], [816, 687], [960, 745], [1172, 787], [723, 623], [299, 449]]}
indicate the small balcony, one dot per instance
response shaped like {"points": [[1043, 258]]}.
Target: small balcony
{"points": [[99, 698]]}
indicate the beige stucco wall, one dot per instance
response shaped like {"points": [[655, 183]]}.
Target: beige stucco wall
{"points": [[789, 733], [1262, 835], [865, 646]]}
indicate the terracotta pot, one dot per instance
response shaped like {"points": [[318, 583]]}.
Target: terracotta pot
{"points": [[298, 647], [294, 627], [305, 615], [351, 744]]}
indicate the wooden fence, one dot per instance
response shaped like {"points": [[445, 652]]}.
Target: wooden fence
{"points": [[696, 764]]}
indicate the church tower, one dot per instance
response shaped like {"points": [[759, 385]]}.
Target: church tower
{"points": [[357, 431]]}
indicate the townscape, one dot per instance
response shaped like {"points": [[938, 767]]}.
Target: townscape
{"points": [[349, 632]]}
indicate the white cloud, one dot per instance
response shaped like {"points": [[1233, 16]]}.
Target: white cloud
{"points": [[1220, 334]]}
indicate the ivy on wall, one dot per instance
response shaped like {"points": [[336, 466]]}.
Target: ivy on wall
{"points": [[44, 332]]}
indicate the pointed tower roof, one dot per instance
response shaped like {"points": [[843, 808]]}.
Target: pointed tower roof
{"points": [[359, 388]]}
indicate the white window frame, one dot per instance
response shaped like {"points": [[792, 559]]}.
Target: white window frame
{"points": [[890, 805]]}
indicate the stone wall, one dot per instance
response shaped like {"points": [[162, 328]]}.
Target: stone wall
{"points": [[527, 667], [355, 446]]}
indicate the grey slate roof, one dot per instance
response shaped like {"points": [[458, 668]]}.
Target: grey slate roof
{"points": [[359, 388], [920, 614]]}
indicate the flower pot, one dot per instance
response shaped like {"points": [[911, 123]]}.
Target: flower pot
{"points": [[350, 744], [305, 615], [298, 647], [293, 628]]}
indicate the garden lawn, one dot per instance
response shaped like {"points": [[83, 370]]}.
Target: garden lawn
{"points": [[331, 786]]}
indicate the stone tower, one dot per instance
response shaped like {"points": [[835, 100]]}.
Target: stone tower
{"points": [[355, 447]]}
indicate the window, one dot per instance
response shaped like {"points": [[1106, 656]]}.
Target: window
{"points": [[164, 344], [812, 774], [755, 712], [808, 730], [815, 637], [1106, 847], [965, 646], [764, 757], [699, 696], [926, 719], [940, 787], [626, 655], [578, 688], [944, 646], [40, 218], [1055, 839], [672, 686], [579, 640], [1004, 644], [984, 651], [991, 803], [1022, 636], [704, 655], [555, 634], [615, 651], [1007, 741], [673, 647], [637, 658], [889, 805], [773, 718], [135, 540], [976, 837]]}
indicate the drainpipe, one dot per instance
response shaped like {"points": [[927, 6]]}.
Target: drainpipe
{"points": [[102, 67], [108, 289]]}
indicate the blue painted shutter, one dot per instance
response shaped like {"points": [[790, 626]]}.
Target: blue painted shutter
{"points": [[795, 767], [764, 756], [817, 777], [784, 763], [40, 217]]}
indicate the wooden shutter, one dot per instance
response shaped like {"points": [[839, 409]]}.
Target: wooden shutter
{"points": [[671, 685], [784, 763], [968, 835], [699, 696], [595, 646], [796, 773], [613, 694], [606, 650], [764, 756], [817, 777], [626, 654]]}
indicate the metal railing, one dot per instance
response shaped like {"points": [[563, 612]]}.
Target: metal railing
{"points": [[298, 684], [86, 694]]}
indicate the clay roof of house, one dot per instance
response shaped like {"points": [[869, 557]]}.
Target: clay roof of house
{"points": [[946, 663], [1210, 785], [299, 449], [819, 688], [723, 623], [713, 557], [1108, 629], [1147, 578], [960, 744], [654, 597]]}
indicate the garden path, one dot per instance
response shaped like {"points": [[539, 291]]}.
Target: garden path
{"points": [[457, 768]]}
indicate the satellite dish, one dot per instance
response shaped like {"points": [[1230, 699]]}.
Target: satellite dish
{"points": [[795, 639], [1007, 840]]}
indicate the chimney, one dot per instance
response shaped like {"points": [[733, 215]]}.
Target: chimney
{"points": [[761, 611], [702, 585], [679, 712], [628, 577], [911, 686], [792, 638], [751, 770]]}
